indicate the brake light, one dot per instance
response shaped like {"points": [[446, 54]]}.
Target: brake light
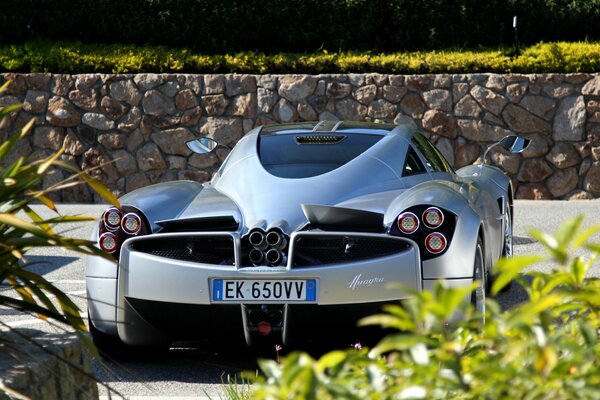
{"points": [[435, 242], [112, 218], [433, 217], [108, 242], [131, 224], [408, 223]]}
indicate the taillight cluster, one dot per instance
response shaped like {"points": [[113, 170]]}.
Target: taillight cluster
{"points": [[431, 227], [117, 225]]}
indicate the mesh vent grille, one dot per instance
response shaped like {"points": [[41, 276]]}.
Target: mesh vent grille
{"points": [[319, 139], [217, 250], [323, 250]]}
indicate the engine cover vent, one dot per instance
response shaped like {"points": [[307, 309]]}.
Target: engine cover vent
{"points": [[319, 139]]}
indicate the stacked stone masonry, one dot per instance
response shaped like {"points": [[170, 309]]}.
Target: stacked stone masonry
{"points": [[140, 122], [61, 370]]}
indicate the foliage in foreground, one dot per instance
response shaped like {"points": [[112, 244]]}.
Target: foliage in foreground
{"points": [[22, 229], [545, 348], [76, 57]]}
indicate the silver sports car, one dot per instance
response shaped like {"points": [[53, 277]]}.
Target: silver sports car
{"points": [[300, 233]]}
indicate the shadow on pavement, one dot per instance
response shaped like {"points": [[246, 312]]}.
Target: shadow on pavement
{"points": [[45, 264]]}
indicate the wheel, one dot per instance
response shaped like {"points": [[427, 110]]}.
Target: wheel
{"points": [[507, 248], [479, 275]]}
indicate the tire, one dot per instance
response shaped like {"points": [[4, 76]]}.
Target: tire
{"points": [[507, 245], [479, 275]]}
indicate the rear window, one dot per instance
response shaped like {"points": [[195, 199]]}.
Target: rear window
{"points": [[302, 155]]}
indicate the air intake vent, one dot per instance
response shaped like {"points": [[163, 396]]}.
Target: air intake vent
{"points": [[313, 250], [217, 250], [319, 139]]}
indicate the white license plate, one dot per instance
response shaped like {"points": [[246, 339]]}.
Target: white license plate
{"points": [[248, 290]]}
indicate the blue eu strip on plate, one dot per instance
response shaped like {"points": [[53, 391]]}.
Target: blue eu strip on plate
{"points": [[218, 289]]}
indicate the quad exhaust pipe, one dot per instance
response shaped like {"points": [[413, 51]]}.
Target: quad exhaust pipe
{"points": [[267, 247]]}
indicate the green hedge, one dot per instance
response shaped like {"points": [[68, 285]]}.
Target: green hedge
{"points": [[38, 56], [270, 26]]}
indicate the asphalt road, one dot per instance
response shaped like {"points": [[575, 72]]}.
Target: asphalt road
{"points": [[198, 372]]}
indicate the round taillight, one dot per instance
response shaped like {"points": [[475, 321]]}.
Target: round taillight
{"points": [[433, 217], [131, 224], [435, 243], [408, 223], [108, 242], [112, 218]]}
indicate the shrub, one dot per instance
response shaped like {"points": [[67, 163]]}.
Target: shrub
{"points": [[76, 57], [544, 348], [271, 26]]}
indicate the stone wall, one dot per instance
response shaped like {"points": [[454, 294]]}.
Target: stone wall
{"points": [[141, 121], [38, 374]]}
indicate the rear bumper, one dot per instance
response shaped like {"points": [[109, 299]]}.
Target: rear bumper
{"points": [[156, 299], [182, 293]]}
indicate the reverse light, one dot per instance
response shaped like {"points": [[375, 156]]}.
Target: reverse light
{"points": [[433, 217], [108, 242], [112, 218], [435, 242], [131, 224], [408, 223]]}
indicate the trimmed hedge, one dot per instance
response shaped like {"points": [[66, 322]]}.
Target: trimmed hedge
{"points": [[75, 57], [270, 26]]}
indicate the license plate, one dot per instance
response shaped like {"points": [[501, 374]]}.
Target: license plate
{"points": [[247, 290]]}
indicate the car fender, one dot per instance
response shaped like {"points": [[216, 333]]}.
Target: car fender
{"points": [[162, 201], [457, 262]]}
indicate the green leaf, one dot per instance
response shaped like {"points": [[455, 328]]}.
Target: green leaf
{"points": [[45, 225], [582, 238], [589, 334], [93, 183], [69, 219], [400, 342], [530, 311], [579, 269], [11, 220], [10, 143], [48, 162], [331, 360], [31, 308], [507, 269], [593, 247], [388, 321], [551, 244], [568, 229]]}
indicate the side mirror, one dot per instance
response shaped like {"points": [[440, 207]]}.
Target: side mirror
{"points": [[202, 145], [514, 144]]}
